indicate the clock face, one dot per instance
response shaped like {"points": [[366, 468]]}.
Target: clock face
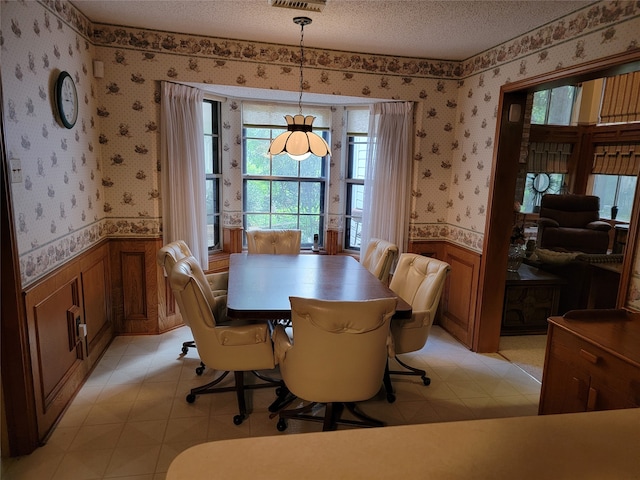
{"points": [[67, 100]]}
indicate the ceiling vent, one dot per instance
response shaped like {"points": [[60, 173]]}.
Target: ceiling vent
{"points": [[307, 5]]}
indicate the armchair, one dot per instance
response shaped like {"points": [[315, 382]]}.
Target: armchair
{"points": [[274, 241], [378, 258], [237, 348], [338, 357], [572, 223], [418, 280], [168, 256]]}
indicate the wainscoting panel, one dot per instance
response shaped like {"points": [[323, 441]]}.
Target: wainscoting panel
{"points": [[58, 307], [457, 306]]}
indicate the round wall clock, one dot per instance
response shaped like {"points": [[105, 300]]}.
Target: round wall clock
{"points": [[66, 98]]}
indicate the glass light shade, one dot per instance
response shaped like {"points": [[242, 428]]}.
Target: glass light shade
{"points": [[299, 141]]}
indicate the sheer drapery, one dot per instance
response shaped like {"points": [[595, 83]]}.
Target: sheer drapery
{"points": [[184, 215], [387, 180]]}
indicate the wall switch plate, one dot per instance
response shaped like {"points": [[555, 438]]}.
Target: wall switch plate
{"points": [[16, 170]]}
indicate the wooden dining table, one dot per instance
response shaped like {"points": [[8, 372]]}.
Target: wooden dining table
{"points": [[260, 285]]}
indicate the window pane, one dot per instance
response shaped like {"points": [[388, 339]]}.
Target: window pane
{"points": [[310, 226], [310, 197], [208, 155], [256, 157], [312, 167], [604, 186], [207, 108], [284, 221], [356, 199], [255, 220], [626, 194], [212, 196], [354, 225], [358, 157], [561, 105], [539, 110], [257, 195], [285, 166], [284, 197]]}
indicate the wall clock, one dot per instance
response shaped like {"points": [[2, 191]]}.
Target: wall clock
{"points": [[66, 98]]}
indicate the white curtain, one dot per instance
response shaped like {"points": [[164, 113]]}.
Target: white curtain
{"points": [[388, 174], [182, 163]]}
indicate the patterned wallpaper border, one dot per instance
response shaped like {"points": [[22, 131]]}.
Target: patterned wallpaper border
{"points": [[42, 259], [585, 21]]}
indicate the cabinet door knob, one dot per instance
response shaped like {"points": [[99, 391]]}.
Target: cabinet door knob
{"points": [[589, 357]]}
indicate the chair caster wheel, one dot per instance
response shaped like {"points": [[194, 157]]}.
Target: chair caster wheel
{"points": [[426, 381], [279, 391], [391, 397], [199, 370], [238, 419], [185, 350], [191, 398], [282, 425]]}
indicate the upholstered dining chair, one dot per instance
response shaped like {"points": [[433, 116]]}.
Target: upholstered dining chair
{"points": [[418, 280], [338, 357], [274, 241], [168, 256], [225, 348], [379, 257]]}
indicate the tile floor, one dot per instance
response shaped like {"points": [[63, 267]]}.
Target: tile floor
{"points": [[131, 419]]}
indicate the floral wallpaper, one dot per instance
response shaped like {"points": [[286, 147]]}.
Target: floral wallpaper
{"points": [[101, 178]]}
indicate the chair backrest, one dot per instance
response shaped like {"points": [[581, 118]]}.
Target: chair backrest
{"points": [[379, 257], [172, 253], [169, 255], [418, 280], [339, 351], [572, 211], [274, 241]]}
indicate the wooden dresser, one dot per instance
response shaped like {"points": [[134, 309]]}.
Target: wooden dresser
{"points": [[592, 362]]}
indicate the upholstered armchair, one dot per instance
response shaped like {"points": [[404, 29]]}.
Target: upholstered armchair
{"points": [[226, 348], [167, 257], [418, 280], [338, 357], [572, 223], [274, 241], [379, 257]]}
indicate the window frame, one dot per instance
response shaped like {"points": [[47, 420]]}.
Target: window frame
{"points": [[323, 181], [352, 180], [215, 176]]}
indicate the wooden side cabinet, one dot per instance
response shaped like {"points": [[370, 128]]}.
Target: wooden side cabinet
{"points": [[592, 362]]}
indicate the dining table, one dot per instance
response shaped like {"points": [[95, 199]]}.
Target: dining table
{"points": [[260, 284]]}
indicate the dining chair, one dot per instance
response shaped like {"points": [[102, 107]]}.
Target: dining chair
{"points": [[418, 280], [338, 357], [379, 257], [168, 256], [274, 241], [238, 347]]}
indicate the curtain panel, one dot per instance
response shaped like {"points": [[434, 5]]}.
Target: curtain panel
{"points": [[621, 99], [546, 157], [616, 160], [388, 174], [184, 215]]}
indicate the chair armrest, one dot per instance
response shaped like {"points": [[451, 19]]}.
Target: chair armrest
{"points": [[231, 336], [218, 282], [598, 225], [281, 343], [547, 222]]}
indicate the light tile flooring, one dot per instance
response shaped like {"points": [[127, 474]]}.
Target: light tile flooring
{"points": [[130, 419]]}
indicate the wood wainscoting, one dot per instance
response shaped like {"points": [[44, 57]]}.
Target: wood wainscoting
{"points": [[460, 294], [69, 326]]}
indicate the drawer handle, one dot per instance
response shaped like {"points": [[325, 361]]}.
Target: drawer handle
{"points": [[589, 357]]}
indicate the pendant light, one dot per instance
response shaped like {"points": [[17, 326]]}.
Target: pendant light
{"points": [[299, 141]]}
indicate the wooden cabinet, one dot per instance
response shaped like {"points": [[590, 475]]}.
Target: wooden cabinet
{"points": [[592, 362]]}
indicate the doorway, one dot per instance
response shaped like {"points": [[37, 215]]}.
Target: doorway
{"points": [[486, 337]]}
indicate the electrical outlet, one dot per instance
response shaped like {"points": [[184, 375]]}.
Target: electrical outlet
{"points": [[16, 170]]}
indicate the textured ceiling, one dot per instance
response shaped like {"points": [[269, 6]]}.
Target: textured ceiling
{"points": [[448, 30]]}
